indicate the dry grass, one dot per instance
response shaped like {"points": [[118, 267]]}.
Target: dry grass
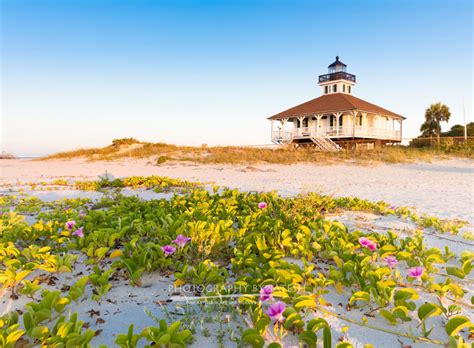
{"points": [[281, 155]]}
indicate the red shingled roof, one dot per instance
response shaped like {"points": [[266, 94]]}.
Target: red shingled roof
{"points": [[329, 103]]}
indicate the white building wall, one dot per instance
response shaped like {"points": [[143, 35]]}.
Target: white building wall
{"points": [[342, 87]]}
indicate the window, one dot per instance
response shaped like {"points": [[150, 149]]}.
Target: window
{"points": [[332, 121], [334, 88], [359, 120], [300, 124], [326, 89], [344, 88], [349, 89]]}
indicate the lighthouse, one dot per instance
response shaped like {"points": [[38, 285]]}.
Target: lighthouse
{"points": [[337, 80], [337, 118]]}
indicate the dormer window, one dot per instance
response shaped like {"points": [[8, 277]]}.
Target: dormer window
{"points": [[334, 88], [326, 89], [349, 89], [344, 88]]}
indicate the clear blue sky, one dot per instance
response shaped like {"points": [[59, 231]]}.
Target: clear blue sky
{"points": [[81, 73]]}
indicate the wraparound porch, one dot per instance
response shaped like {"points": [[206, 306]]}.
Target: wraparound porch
{"points": [[336, 126]]}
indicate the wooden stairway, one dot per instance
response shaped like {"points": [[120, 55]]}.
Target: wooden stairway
{"points": [[326, 144]]}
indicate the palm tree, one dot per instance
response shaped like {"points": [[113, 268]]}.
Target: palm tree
{"points": [[428, 129], [434, 115]]}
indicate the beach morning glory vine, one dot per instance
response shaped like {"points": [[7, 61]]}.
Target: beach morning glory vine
{"points": [[181, 240], [266, 293], [168, 249]]}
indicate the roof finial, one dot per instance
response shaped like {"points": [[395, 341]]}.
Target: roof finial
{"points": [[337, 58]]}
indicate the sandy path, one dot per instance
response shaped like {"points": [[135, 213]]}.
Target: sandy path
{"points": [[441, 188]]}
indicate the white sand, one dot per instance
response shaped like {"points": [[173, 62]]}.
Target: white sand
{"points": [[442, 188]]}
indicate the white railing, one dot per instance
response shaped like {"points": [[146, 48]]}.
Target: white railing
{"points": [[301, 132], [336, 132], [360, 131], [281, 136], [372, 132]]}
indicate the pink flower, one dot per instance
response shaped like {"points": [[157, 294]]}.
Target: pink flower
{"points": [[416, 272], [168, 249], [372, 246], [390, 261], [367, 243], [181, 240], [79, 232], [266, 293], [275, 311], [262, 205], [70, 224], [364, 241]]}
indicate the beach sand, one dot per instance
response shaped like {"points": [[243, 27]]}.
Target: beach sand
{"points": [[444, 188]]}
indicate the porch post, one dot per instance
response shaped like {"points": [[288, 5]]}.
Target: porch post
{"points": [[318, 119], [300, 118], [282, 130], [401, 123], [354, 120], [337, 114], [364, 127], [273, 123]]}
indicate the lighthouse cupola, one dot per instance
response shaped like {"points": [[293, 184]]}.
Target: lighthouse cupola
{"points": [[337, 80]]}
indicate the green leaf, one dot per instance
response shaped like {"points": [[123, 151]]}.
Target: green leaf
{"points": [[388, 316], [456, 324], [274, 345], [165, 339], [344, 345], [42, 315], [100, 252], [454, 271], [262, 324], [174, 327], [14, 336], [338, 261], [427, 310], [317, 324], [406, 294], [327, 337], [400, 312], [467, 267], [252, 337], [305, 303], [359, 296], [308, 337], [28, 321], [39, 332], [293, 320]]}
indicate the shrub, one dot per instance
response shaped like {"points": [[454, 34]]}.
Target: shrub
{"points": [[124, 141]]}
